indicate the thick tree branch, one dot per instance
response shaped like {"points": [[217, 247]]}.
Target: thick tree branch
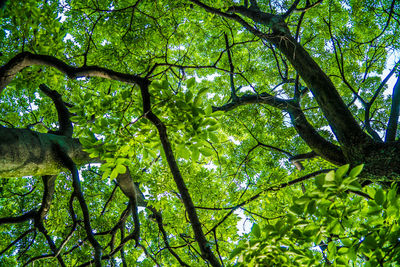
{"points": [[128, 187], [231, 67], [18, 219], [48, 193], [314, 140], [26, 59], [342, 122], [391, 129], [24, 152]]}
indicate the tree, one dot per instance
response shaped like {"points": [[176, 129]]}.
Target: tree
{"points": [[144, 132]]}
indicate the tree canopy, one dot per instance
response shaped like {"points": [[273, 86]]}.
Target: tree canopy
{"points": [[199, 132]]}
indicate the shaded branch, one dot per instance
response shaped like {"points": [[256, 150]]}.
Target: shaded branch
{"points": [[314, 140], [391, 128], [26, 59], [127, 186], [231, 67], [19, 219], [68, 163], [157, 216], [65, 123], [16, 240]]}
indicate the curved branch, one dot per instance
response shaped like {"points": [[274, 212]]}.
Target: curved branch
{"points": [[18, 219], [26, 59], [127, 186], [314, 140], [17, 161], [65, 128]]}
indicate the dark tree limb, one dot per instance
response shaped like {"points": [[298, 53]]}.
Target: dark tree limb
{"points": [[30, 215], [391, 128], [109, 199], [157, 216], [17, 240], [26, 59], [70, 165], [176, 174], [292, 8], [231, 67], [65, 127], [314, 140]]}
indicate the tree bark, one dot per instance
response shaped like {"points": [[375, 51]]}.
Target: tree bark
{"points": [[24, 152]]}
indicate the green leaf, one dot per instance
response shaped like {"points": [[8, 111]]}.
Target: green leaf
{"points": [[379, 197], [356, 170], [370, 242], [255, 230], [342, 170], [320, 180], [330, 176], [235, 252], [355, 186], [105, 174], [206, 151], [311, 208], [302, 200], [191, 82], [200, 96], [208, 110], [213, 137], [114, 174], [120, 168]]}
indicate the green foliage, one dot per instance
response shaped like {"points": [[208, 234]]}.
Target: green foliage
{"points": [[233, 163], [329, 224]]}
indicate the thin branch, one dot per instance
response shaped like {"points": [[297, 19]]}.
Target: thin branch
{"points": [[232, 69], [179, 181], [159, 220], [109, 199], [291, 9], [17, 240], [68, 163]]}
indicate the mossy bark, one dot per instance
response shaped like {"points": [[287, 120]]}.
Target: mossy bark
{"points": [[24, 152]]}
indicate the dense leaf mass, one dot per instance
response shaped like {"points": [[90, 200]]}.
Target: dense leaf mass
{"points": [[199, 132]]}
